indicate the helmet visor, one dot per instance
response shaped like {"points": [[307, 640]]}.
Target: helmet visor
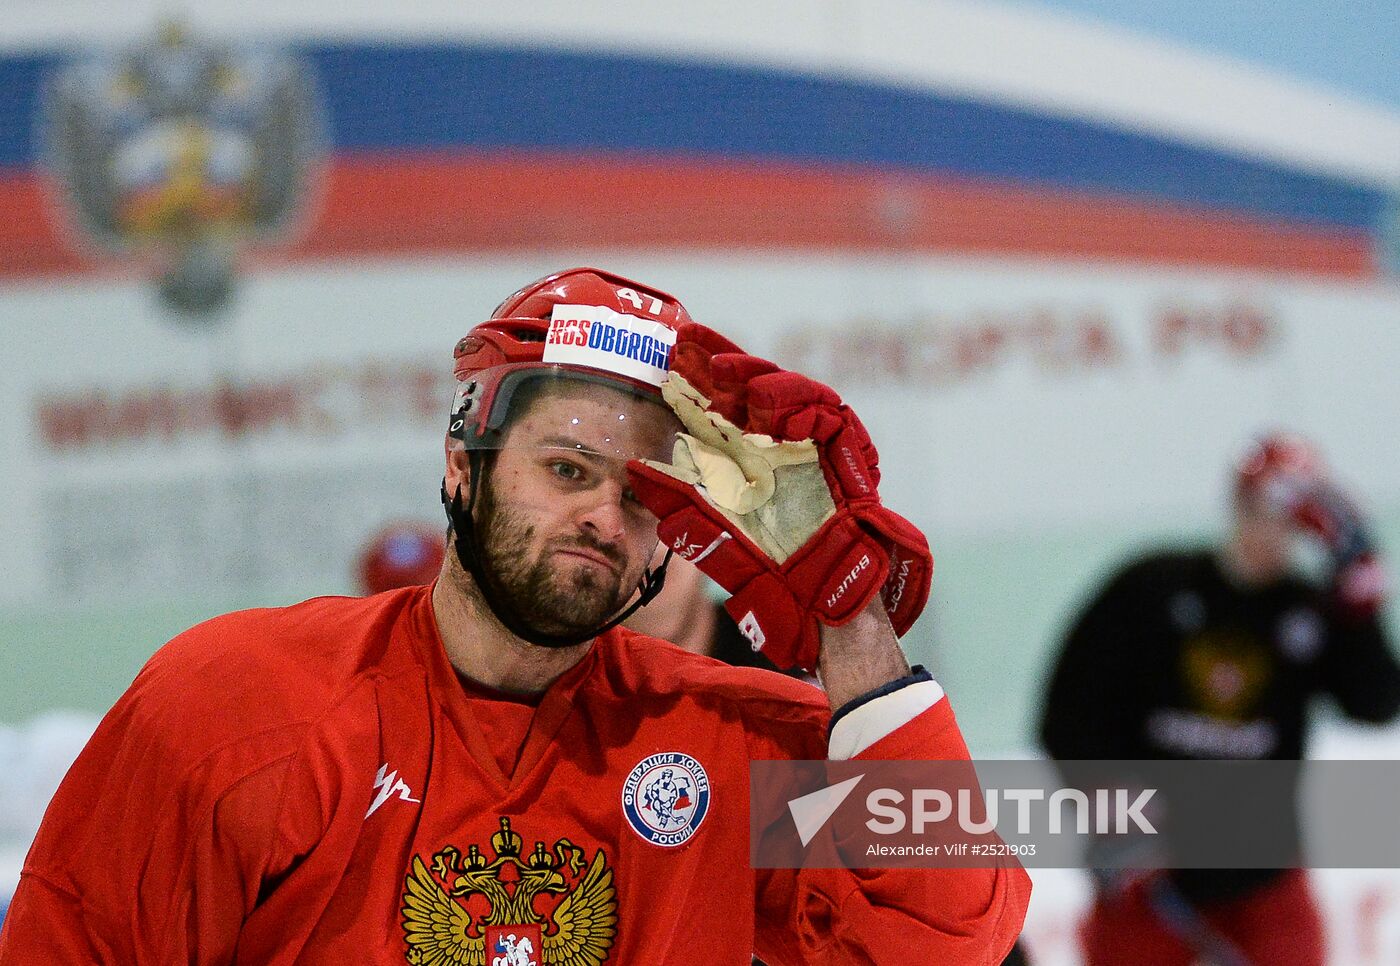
{"points": [[565, 409]]}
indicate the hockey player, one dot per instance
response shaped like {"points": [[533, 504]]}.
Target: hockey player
{"points": [[439, 775], [1216, 655]]}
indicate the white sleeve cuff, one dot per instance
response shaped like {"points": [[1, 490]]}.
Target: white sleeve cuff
{"points": [[863, 726]]}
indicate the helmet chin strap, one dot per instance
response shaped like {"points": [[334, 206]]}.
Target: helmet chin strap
{"points": [[469, 554]]}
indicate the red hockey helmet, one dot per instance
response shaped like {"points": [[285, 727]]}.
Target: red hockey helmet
{"points": [[1279, 468], [566, 331], [403, 554], [582, 324]]}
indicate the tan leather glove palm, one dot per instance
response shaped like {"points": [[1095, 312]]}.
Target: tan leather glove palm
{"points": [[773, 491]]}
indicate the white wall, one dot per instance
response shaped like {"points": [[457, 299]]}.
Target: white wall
{"points": [[1037, 420], [1005, 397]]}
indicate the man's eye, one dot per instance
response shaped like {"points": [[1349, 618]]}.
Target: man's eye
{"points": [[567, 471]]}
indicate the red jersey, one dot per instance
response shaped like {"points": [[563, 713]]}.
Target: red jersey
{"points": [[313, 784]]}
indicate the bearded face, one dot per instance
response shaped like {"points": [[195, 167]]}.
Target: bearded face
{"points": [[562, 541], [552, 584]]}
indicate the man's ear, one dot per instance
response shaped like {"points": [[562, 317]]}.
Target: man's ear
{"points": [[458, 471]]}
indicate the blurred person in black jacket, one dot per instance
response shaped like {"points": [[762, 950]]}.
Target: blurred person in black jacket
{"points": [[1215, 654]]}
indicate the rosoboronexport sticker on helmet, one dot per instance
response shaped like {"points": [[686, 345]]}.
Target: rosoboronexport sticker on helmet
{"points": [[600, 338]]}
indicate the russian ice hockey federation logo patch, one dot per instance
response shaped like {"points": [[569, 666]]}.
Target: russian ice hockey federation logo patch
{"points": [[666, 797]]}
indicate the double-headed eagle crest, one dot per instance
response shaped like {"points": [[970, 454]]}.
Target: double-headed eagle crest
{"points": [[447, 911], [182, 152]]}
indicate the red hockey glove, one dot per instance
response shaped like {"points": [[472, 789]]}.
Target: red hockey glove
{"points": [[772, 492], [1359, 579]]}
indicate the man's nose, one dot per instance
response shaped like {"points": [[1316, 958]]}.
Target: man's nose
{"points": [[604, 512]]}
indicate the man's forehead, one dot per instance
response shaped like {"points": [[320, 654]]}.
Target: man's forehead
{"points": [[597, 417]]}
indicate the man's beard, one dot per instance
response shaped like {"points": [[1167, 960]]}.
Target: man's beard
{"points": [[547, 597]]}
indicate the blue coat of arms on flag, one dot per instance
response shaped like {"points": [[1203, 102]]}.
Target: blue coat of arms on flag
{"points": [[180, 153]]}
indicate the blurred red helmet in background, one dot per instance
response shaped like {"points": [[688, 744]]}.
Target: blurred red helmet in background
{"points": [[403, 554]]}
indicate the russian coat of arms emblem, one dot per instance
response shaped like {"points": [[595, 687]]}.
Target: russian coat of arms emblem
{"points": [[550, 907], [180, 152]]}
